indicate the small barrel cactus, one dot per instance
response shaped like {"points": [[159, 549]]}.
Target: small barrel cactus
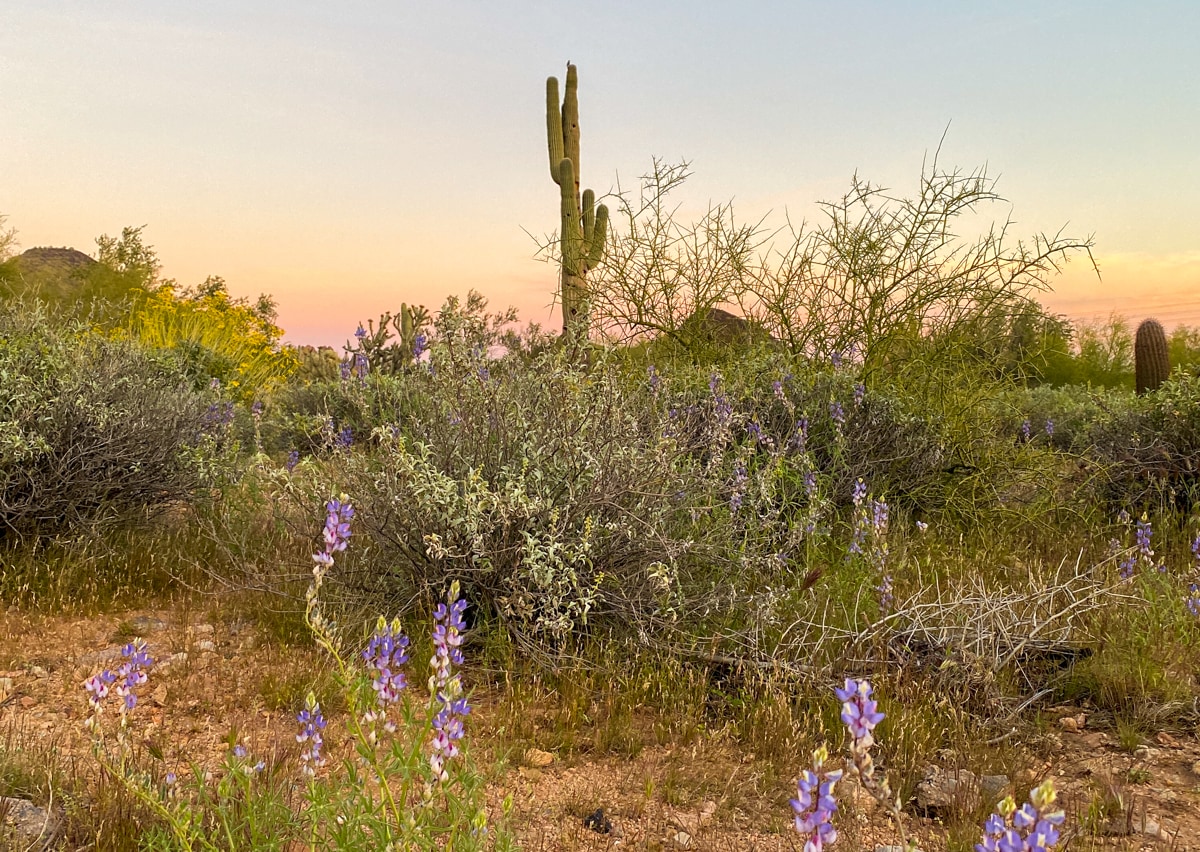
{"points": [[1152, 365]]}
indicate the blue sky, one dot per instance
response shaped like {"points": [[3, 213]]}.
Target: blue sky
{"points": [[348, 157]]}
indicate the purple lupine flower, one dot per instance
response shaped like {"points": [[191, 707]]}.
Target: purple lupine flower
{"points": [[385, 654], [360, 332], [445, 684], [835, 358], [1196, 547], [1031, 828], [1049, 428], [336, 534], [420, 344], [345, 438], [484, 373], [1026, 429], [815, 804], [800, 436], [1193, 599], [1127, 566], [293, 459], [714, 382], [345, 368], [859, 711], [860, 492], [860, 391], [754, 431], [256, 409], [1143, 538], [837, 413], [739, 487], [810, 482], [777, 390], [312, 722], [654, 378], [886, 595], [922, 526], [362, 366], [239, 751], [124, 681]]}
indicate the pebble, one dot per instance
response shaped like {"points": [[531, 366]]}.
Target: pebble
{"points": [[202, 629], [34, 827], [206, 645], [682, 839], [146, 623]]}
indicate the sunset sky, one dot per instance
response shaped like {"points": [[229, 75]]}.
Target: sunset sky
{"points": [[346, 157]]}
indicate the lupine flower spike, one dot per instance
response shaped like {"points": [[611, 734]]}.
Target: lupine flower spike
{"points": [[312, 722], [444, 683], [815, 805], [1031, 828]]}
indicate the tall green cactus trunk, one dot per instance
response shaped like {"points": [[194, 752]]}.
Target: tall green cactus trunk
{"points": [[584, 225], [1152, 364]]}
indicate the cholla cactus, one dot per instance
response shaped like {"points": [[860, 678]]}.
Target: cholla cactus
{"points": [[392, 344], [584, 224]]}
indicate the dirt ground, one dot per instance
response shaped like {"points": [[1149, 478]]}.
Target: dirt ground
{"points": [[213, 677]]}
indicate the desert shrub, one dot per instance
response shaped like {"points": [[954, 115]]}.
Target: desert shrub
{"points": [[1060, 417], [1148, 448], [91, 429]]}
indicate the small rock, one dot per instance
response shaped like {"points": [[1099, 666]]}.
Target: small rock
{"points": [[1073, 724], [1166, 740], [537, 758], [942, 790], [1151, 829], [160, 695], [176, 659], [207, 645], [1196, 768], [27, 701], [991, 786], [682, 840], [38, 672], [34, 827], [598, 822], [202, 630], [1145, 753], [146, 624], [708, 808]]}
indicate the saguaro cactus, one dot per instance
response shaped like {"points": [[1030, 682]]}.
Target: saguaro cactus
{"points": [[1152, 364], [584, 225]]}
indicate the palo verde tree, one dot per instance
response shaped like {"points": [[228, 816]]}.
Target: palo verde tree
{"points": [[584, 225]]}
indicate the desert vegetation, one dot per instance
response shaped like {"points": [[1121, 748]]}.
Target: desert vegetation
{"points": [[844, 500]]}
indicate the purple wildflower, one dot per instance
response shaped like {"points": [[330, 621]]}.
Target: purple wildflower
{"points": [[837, 413], [124, 681], [1026, 429], [1031, 828], [312, 722], [420, 344], [1049, 428], [777, 389], [385, 654], [835, 358], [859, 711], [293, 459], [654, 378], [860, 391], [887, 597], [860, 492], [345, 368], [445, 684], [815, 804], [337, 530], [1193, 599], [360, 332]]}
